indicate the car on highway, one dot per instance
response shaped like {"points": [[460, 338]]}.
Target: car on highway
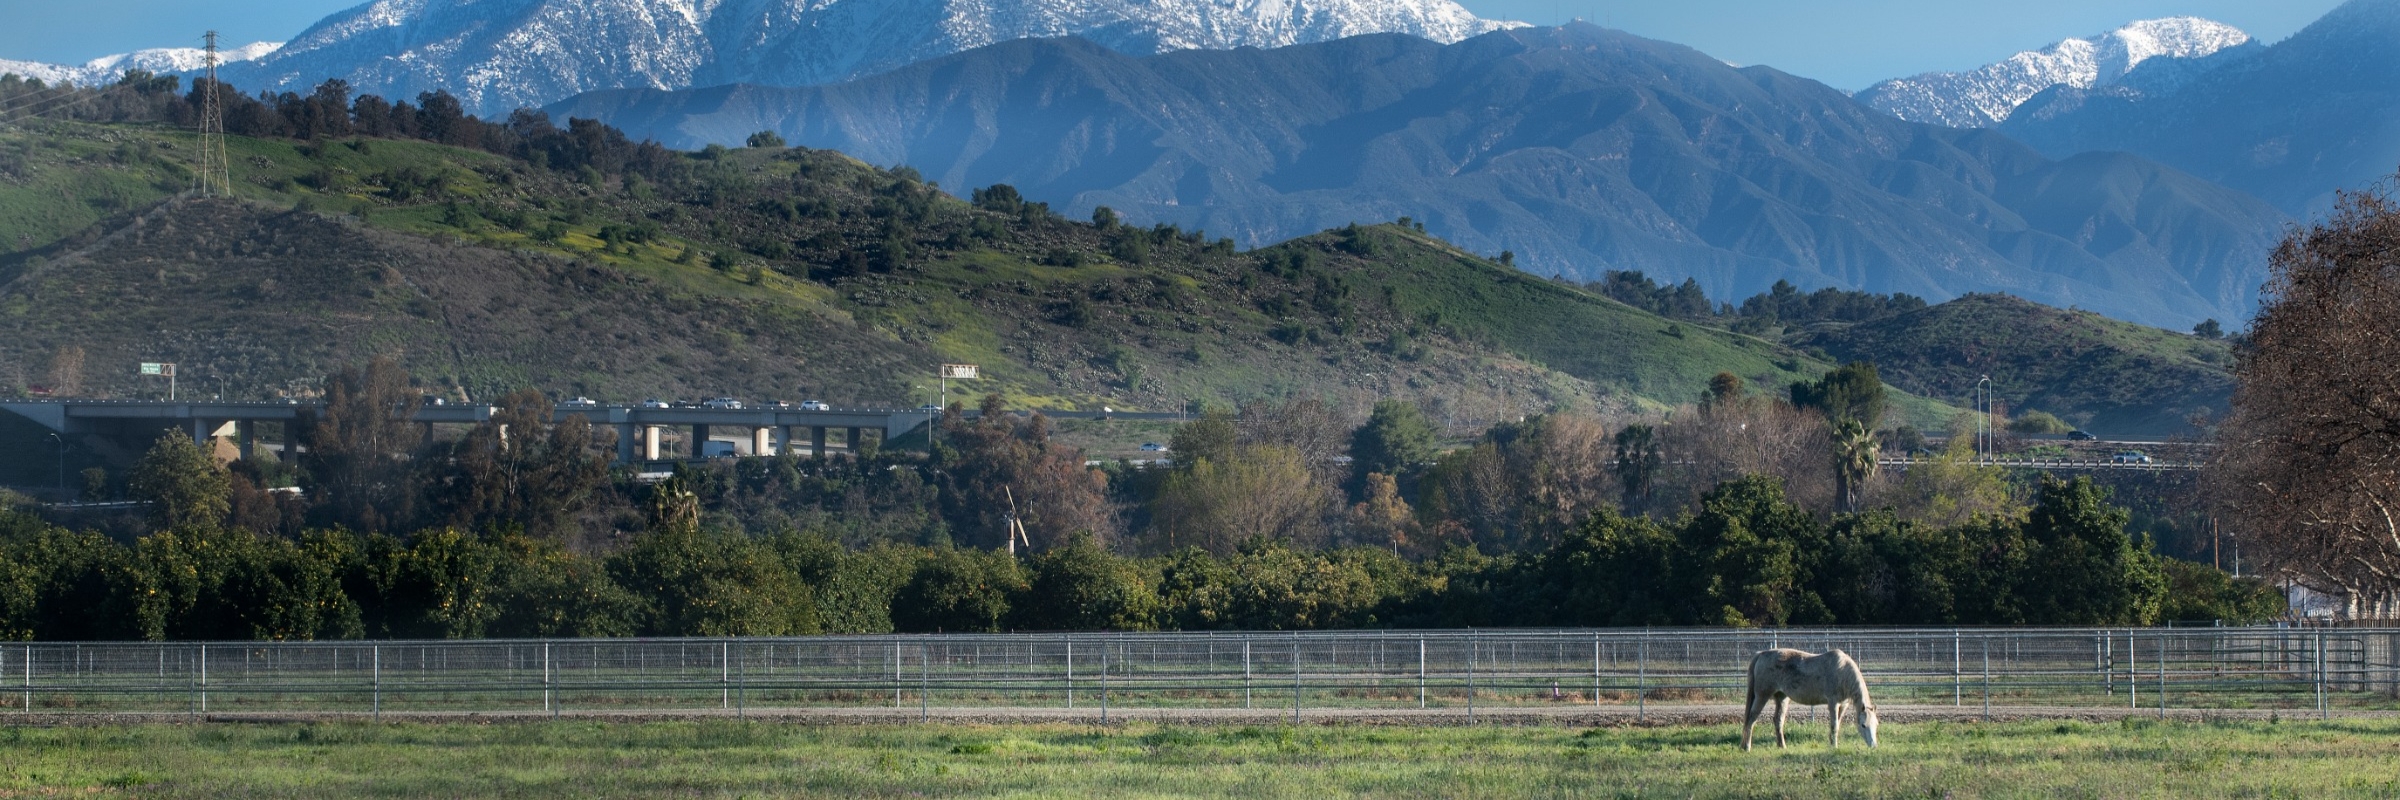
{"points": [[930, 408], [579, 401], [814, 405], [777, 404], [2131, 457], [656, 403], [721, 403], [2079, 436], [1154, 447]]}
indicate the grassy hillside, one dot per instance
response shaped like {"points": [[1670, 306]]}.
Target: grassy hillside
{"points": [[2108, 376], [763, 273]]}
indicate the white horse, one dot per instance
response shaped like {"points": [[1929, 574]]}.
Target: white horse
{"points": [[1831, 679]]}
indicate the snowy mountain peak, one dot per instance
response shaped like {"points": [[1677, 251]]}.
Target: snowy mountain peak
{"points": [[1985, 96], [498, 55], [107, 69]]}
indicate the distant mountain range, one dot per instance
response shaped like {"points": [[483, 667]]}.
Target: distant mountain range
{"points": [[2154, 55], [2291, 123], [107, 69], [500, 55], [1578, 149]]}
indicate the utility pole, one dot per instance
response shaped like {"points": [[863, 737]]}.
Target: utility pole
{"points": [[1983, 414], [212, 177]]}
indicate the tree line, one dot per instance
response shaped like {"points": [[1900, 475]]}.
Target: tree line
{"points": [[1276, 517]]}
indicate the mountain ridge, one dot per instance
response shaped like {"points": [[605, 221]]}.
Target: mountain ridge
{"points": [[501, 55], [2314, 114], [1578, 149], [2157, 54]]}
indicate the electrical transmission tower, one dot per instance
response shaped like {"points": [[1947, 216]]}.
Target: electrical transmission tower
{"points": [[212, 178]]}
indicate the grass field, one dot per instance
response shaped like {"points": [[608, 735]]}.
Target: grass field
{"points": [[2136, 758]]}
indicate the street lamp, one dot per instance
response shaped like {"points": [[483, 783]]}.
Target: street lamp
{"points": [[1983, 415], [62, 467]]}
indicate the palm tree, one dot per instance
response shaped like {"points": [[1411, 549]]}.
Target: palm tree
{"points": [[1854, 453]]}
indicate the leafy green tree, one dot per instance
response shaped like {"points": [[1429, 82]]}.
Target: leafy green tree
{"points": [[1081, 587], [548, 592], [958, 591], [1852, 392], [2202, 593], [2039, 422], [1615, 570], [765, 139], [1210, 438], [2209, 329], [2084, 569], [1397, 440], [704, 583], [184, 487], [1752, 549], [212, 583], [61, 585]]}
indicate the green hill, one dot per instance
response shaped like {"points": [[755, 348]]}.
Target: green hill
{"points": [[762, 273], [2105, 375]]}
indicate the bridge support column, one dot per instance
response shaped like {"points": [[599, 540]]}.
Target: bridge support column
{"points": [[790, 437], [428, 433], [200, 431], [761, 441], [816, 441], [247, 432], [650, 442], [699, 442], [625, 434], [851, 441]]}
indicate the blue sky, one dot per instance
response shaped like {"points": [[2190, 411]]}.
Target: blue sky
{"points": [[1846, 43]]}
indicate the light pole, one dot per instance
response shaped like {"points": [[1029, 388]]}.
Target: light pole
{"points": [[1983, 415], [62, 467]]}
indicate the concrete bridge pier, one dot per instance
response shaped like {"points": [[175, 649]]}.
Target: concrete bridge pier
{"points": [[650, 438], [625, 434], [816, 441], [851, 439], [200, 432], [246, 431], [699, 442], [761, 440]]}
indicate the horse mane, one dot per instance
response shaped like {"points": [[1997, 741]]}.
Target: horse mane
{"points": [[1852, 680]]}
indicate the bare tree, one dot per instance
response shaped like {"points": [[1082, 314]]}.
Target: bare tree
{"points": [[358, 450], [2308, 463]]}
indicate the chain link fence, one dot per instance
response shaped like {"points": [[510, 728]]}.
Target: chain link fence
{"points": [[1438, 673]]}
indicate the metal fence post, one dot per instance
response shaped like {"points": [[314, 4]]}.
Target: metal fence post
{"points": [[2133, 675], [204, 675], [2324, 711], [1470, 677], [724, 674], [1420, 673], [29, 679], [1071, 674], [375, 678], [895, 673], [1245, 672], [1595, 671], [1295, 678], [1957, 662], [924, 680], [1987, 678], [547, 690], [1104, 681], [1641, 681]]}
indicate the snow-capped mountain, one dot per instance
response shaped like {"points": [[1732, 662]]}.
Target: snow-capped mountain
{"points": [[2167, 51], [498, 55], [107, 69]]}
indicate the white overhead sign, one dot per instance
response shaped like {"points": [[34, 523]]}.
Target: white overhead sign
{"points": [[964, 372]]}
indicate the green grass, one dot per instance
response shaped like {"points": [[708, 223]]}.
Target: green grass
{"points": [[732, 759]]}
